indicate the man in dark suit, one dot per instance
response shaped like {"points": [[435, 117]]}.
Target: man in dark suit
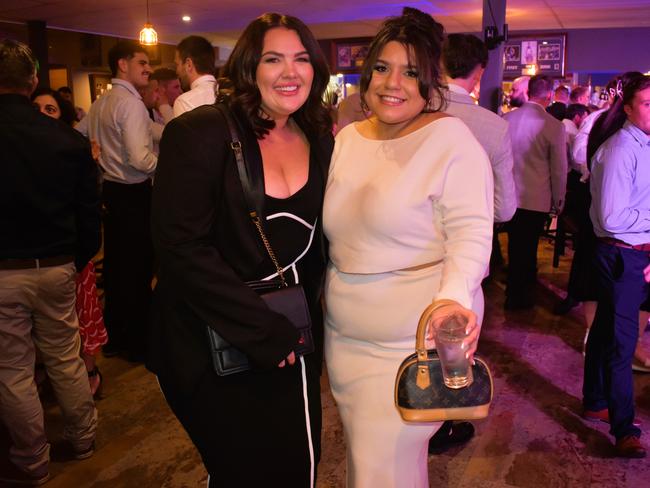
{"points": [[540, 170], [49, 216]]}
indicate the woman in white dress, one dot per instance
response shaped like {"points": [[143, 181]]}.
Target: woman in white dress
{"points": [[408, 213]]}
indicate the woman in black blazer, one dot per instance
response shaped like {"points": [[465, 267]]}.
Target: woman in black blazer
{"points": [[259, 427]]}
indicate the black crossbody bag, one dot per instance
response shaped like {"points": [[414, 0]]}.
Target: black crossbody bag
{"points": [[279, 296]]}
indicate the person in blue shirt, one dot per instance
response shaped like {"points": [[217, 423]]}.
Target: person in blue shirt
{"points": [[620, 212]]}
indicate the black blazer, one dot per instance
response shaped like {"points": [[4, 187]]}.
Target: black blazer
{"points": [[208, 247]]}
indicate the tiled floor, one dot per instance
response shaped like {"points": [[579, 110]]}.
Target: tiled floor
{"points": [[534, 436]]}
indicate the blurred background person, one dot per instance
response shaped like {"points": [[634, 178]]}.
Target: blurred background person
{"points": [[195, 68], [49, 210], [89, 311], [169, 89], [620, 211], [66, 93], [560, 101], [52, 104]]}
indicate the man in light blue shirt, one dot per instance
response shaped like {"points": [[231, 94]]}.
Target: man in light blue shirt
{"points": [[620, 212], [120, 124]]}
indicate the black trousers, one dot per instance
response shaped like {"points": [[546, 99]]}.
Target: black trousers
{"points": [[251, 428], [128, 264], [524, 231]]}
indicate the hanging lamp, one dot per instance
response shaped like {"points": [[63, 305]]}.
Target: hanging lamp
{"points": [[148, 35]]}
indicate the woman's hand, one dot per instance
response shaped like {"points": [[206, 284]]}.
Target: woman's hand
{"points": [[447, 308], [291, 359]]}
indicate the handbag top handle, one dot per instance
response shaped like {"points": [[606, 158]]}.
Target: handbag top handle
{"points": [[423, 379], [236, 146]]}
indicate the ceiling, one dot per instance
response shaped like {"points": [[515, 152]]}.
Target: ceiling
{"points": [[221, 21]]}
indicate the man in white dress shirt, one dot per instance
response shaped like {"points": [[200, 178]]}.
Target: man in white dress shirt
{"points": [[119, 122], [540, 169], [195, 67]]}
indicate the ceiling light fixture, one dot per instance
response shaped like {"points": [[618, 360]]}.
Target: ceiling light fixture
{"points": [[186, 18], [148, 35]]}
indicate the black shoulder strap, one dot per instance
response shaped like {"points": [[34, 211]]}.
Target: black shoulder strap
{"points": [[249, 195], [236, 146]]}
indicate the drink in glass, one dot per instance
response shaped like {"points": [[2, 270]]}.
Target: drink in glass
{"points": [[456, 369]]}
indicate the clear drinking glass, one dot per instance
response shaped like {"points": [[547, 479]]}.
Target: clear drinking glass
{"points": [[456, 369]]}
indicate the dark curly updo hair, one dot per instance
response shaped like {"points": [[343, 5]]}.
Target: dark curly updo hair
{"points": [[241, 67], [420, 35]]}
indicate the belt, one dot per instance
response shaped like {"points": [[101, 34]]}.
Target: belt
{"points": [[422, 266], [618, 243], [29, 263]]}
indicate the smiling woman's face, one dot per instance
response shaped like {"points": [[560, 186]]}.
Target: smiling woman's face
{"points": [[47, 105], [393, 94], [284, 74]]}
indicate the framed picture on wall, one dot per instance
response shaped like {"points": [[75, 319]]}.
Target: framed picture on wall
{"points": [[99, 84], [349, 54], [539, 54]]}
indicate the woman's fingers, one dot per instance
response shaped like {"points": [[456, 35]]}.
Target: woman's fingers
{"points": [[291, 359]]}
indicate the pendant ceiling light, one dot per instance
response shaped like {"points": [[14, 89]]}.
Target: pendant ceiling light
{"points": [[148, 35]]}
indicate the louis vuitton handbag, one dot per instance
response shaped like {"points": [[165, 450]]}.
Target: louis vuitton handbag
{"points": [[279, 296], [420, 392]]}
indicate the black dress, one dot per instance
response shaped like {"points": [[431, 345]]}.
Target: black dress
{"points": [[260, 427]]}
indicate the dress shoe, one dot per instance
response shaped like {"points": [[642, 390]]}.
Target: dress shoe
{"points": [[13, 475], [449, 435], [64, 451], [602, 416], [630, 447], [565, 306]]}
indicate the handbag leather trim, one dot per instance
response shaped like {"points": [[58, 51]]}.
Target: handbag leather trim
{"points": [[441, 414]]}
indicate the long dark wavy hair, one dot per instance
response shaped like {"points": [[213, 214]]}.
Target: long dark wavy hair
{"points": [[614, 118], [418, 31], [243, 94]]}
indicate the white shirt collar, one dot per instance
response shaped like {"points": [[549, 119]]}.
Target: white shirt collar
{"points": [[202, 80], [453, 87], [127, 85]]}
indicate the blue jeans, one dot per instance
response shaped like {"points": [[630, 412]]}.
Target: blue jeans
{"points": [[608, 379]]}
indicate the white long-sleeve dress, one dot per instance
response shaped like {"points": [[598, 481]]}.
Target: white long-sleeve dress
{"points": [[426, 197]]}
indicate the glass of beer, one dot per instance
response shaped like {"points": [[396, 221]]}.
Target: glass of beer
{"points": [[456, 369]]}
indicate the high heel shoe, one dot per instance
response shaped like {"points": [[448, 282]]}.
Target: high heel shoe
{"points": [[96, 388]]}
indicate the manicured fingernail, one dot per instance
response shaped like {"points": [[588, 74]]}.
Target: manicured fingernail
{"points": [[463, 345], [466, 355]]}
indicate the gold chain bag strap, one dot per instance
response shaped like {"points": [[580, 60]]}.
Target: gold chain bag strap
{"points": [[279, 296], [420, 392]]}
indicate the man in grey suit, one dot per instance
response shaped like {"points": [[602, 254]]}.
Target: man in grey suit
{"points": [[540, 170], [465, 58]]}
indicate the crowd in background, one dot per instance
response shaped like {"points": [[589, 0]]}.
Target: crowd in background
{"points": [[155, 137]]}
